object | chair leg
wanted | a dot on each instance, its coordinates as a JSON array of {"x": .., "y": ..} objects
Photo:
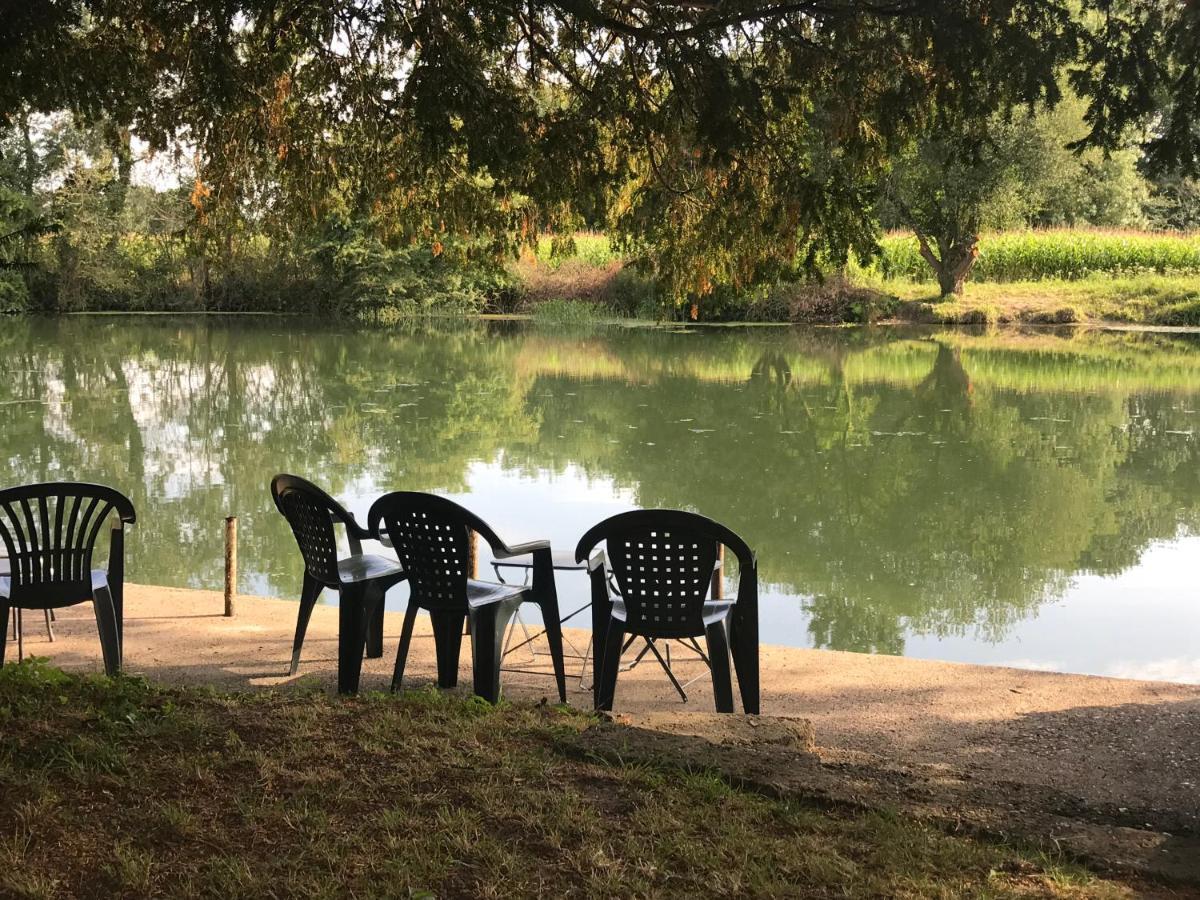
[
  {"x": 49, "y": 626},
  {"x": 106, "y": 624},
  {"x": 606, "y": 674},
  {"x": 665, "y": 662},
  {"x": 447, "y": 639},
  {"x": 309, "y": 594},
  {"x": 718, "y": 654},
  {"x": 550, "y": 618},
  {"x": 488, "y": 624},
  {"x": 3, "y": 631},
  {"x": 20, "y": 629},
  {"x": 410, "y": 618},
  {"x": 599, "y": 631},
  {"x": 351, "y": 637},
  {"x": 744, "y": 644},
  {"x": 375, "y": 631}
]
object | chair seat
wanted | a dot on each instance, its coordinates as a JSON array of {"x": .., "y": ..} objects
[
  {"x": 714, "y": 610},
  {"x": 367, "y": 567},
  {"x": 482, "y": 593},
  {"x": 99, "y": 580}
]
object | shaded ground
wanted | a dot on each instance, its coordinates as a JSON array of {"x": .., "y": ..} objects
[
  {"x": 121, "y": 788},
  {"x": 1106, "y": 767}
]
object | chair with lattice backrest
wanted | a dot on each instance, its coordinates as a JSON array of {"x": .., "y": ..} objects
[
  {"x": 360, "y": 579},
  {"x": 432, "y": 539},
  {"x": 49, "y": 534},
  {"x": 662, "y": 562}
]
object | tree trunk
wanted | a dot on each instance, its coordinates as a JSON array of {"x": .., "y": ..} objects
[
  {"x": 118, "y": 190},
  {"x": 29, "y": 173},
  {"x": 957, "y": 257},
  {"x": 123, "y": 154}
]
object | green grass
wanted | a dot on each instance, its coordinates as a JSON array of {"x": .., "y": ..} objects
[
  {"x": 590, "y": 248},
  {"x": 567, "y": 312},
  {"x": 121, "y": 788},
  {"x": 1142, "y": 300},
  {"x": 1041, "y": 277},
  {"x": 1056, "y": 255}
]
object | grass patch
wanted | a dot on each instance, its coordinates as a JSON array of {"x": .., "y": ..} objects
[
  {"x": 1144, "y": 300},
  {"x": 1040, "y": 277},
  {"x": 567, "y": 312},
  {"x": 588, "y": 247},
  {"x": 193, "y": 793}
]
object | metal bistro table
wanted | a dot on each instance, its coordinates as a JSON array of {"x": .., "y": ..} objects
[
  {"x": 566, "y": 562},
  {"x": 563, "y": 562}
]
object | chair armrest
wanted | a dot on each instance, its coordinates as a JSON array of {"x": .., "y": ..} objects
[
  {"x": 355, "y": 533},
  {"x": 505, "y": 551},
  {"x": 351, "y": 523},
  {"x": 596, "y": 562}
]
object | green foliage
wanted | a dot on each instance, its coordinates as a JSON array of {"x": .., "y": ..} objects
[
  {"x": 1055, "y": 254},
  {"x": 720, "y": 144},
  {"x": 1175, "y": 203},
  {"x": 358, "y": 273},
  {"x": 1008, "y": 171},
  {"x": 1062, "y": 185},
  {"x": 14, "y": 295}
]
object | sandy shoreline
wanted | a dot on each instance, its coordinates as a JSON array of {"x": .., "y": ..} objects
[{"x": 1129, "y": 748}]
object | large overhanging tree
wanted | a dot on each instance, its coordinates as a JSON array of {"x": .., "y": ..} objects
[{"x": 721, "y": 141}]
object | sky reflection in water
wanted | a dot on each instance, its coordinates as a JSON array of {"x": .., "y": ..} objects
[{"x": 1019, "y": 499}]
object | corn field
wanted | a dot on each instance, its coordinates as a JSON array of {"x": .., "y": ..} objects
[{"x": 1055, "y": 254}]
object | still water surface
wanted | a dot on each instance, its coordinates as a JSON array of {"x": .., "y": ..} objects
[{"x": 1019, "y": 499}]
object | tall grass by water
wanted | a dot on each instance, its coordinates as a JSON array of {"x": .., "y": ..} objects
[
  {"x": 1063, "y": 254},
  {"x": 590, "y": 247}
]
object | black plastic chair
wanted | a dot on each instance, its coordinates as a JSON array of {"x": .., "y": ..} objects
[
  {"x": 432, "y": 538},
  {"x": 663, "y": 561},
  {"x": 361, "y": 579},
  {"x": 49, "y": 532}
]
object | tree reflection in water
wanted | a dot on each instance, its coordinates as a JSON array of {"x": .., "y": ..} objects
[{"x": 895, "y": 482}]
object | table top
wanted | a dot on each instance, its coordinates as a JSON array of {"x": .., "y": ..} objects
[{"x": 562, "y": 560}]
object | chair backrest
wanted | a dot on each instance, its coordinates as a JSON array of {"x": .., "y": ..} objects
[
  {"x": 49, "y": 534},
  {"x": 310, "y": 511},
  {"x": 432, "y": 539},
  {"x": 662, "y": 561}
]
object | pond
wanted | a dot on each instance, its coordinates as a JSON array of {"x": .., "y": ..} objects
[{"x": 1027, "y": 499}]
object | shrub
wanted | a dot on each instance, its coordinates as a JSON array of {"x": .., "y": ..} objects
[{"x": 14, "y": 294}]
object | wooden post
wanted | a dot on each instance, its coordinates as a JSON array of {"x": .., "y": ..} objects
[
  {"x": 472, "y": 568},
  {"x": 718, "y": 579},
  {"x": 230, "y": 563}
]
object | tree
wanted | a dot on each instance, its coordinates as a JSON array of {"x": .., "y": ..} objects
[
  {"x": 946, "y": 188},
  {"x": 728, "y": 139},
  {"x": 1175, "y": 202},
  {"x": 1015, "y": 170},
  {"x": 1081, "y": 186}
]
